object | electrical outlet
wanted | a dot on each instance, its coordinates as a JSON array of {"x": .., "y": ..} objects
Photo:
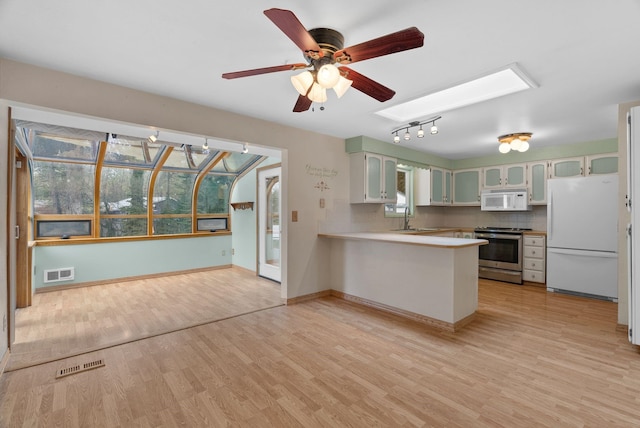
[
  {"x": 224, "y": 252},
  {"x": 233, "y": 251}
]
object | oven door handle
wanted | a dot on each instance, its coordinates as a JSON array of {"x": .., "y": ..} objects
[{"x": 497, "y": 236}]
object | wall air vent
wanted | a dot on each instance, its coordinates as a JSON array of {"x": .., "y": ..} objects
[{"x": 57, "y": 275}]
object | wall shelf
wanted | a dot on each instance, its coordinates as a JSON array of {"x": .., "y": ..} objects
[{"x": 242, "y": 205}]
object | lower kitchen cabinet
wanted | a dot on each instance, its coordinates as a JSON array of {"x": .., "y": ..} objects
[{"x": 534, "y": 258}]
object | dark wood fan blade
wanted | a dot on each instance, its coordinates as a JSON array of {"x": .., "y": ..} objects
[
  {"x": 403, "y": 40},
  {"x": 289, "y": 24},
  {"x": 368, "y": 86},
  {"x": 302, "y": 104},
  {"x": 256, "y": 71}
]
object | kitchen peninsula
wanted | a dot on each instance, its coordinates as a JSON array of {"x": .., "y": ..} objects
[{"x": 430, "y": 279}]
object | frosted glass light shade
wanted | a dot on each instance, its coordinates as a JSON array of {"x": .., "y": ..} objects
[
  {"x": 504, "y": 148},
  {"x": 317, "y": 94},
  {"x": 524, "y": 146},
  {"x": 328, "y": 76},
  {"x": 302, "y": 82},
  {"x": 515, "y": 144},
  {"x": 341, "y": 87}
]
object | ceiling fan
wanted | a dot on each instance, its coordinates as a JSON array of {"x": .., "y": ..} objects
[{"x": 322, "y": 49}]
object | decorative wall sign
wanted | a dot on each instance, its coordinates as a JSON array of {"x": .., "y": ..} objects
[{"x": 322, "y": 174}]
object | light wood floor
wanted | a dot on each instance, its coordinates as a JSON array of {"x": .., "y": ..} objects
[
  {"x": 69, "y": 322},
  {"x": 529, "y": 359}
]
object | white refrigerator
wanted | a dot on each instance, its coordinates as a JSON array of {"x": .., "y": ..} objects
[{"x": 582, "y": 224}]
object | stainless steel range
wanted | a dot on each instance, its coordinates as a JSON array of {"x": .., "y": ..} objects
[{"x": 501, "y": 258}]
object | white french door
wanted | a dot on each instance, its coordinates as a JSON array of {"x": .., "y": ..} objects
[{"x": 269, "y": 230}]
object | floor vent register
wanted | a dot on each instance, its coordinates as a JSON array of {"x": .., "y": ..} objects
[{"x": 79, "y": 368}]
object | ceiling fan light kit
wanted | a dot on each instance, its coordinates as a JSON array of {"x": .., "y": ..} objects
[{"x": 323, "y": 49}]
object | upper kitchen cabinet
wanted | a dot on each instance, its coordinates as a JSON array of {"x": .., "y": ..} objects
[
  {"x": 602, "y": 164},
  {"x": 537, "y": 182},
  {"x": 595, "y": 164},
  {"x": 466, "y": 187},
  {"x": 504, "y": 176},
  {"x": 567, "y": 167},
  {"x": 432, "y": 186},
  {"x": 373, "y": 178}
]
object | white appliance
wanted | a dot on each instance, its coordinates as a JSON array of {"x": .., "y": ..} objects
[
  {"x": 504, "y": 200},
  {"x": 633, "y": 229},
  {"x": 582, "y": 241}
]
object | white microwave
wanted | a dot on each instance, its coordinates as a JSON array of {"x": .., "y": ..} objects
[{"x": 504, "y": 200}]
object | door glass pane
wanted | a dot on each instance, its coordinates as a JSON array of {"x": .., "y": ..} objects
[
  {"x": 492, "y": 177},
  {"x": 436, "y": 185},
  {"x": 537, "y": 185},
  {"x": 374, "y": 171},
  {"x": 567, "y": 169},
  {"x": 272, "y": 241},
  {"x": 515, "y": 175},
  {"x": 608, "y": 165}
]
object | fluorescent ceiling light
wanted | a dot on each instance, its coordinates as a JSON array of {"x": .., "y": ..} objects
[{"x": 505, "y": 81}]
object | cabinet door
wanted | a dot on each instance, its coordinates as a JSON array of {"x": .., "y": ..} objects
[
  {"x": 602, "y": 164},
  {"x": 447, "y": 186},
  {"x": 537, "y": 182},
  {"x": 515, "y": 175},
  {"x": 570, "y": 167},
  {"x": 389, "y": 192},
  {"x": 492, "y": 177},
  {"x": 373, "y": 176},
  {"x": 466, "y": 187},
  {"x": 437, "y": 186}
]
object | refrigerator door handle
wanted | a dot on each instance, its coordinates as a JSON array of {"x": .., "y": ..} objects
[
  {"x": 584, "y": 253},
  {"x": 630, "y": 286},
  {"x": 550, "y": 214}
]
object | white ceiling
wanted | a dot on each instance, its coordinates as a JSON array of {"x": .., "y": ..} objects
[{"x": 582, "y": 54}]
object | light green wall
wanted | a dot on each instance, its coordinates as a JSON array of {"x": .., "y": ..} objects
[
  {"x": 112, "y": 260},
  {"x": 412, "y": 157},
  {"x": 244, "y": 222}
]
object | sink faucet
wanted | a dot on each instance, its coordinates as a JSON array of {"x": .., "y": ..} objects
[{"x": 406, "y": 218}]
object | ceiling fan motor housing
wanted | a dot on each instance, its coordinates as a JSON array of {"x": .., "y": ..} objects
[{"x": 330, "y": 41}]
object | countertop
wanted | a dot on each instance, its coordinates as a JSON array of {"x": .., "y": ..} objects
[{"x": 407, "y": 238}]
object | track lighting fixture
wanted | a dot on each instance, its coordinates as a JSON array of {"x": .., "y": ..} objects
[
  {"x": 518, "y": 141},
  {"x": 420, "y": 134},
  {"x": 205, "y": 146},
  {"x": 245, "y": 148},
  {"x": 153, "y": 138}
]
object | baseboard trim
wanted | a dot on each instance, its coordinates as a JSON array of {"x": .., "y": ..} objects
[
  {"x": 423, "y": 319},
  {"x": 126, "y": 279},
  {"x": 623, "y": 328},
  {"x": 4, "y": 361},
  {"x": 307, "y": 297}
]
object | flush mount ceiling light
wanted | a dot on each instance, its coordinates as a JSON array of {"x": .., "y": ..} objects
[
  {"x": 518, "y": 141},
  {"x": 507, "y": 80},
  {"x": 420, "y": 134}
]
